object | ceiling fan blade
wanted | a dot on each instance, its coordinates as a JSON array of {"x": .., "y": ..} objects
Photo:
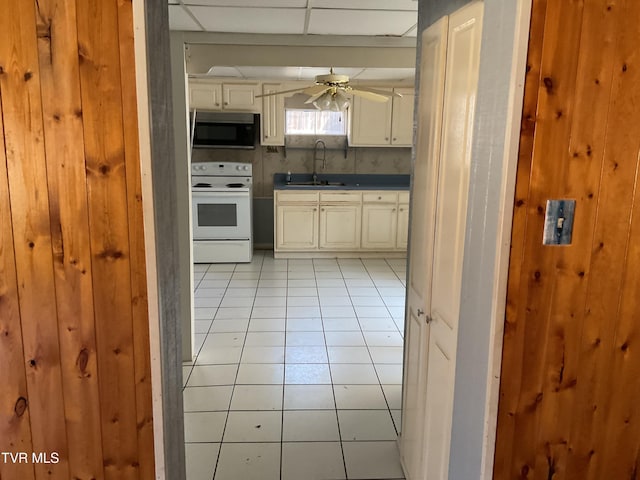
[
  {"x": 386, "y": 93},
  {"x": 280, "y": 92},
  {"x": 314, "y": 89},
  {"x": 375, "y": 97},
  {"x": 317, "y": 95}
]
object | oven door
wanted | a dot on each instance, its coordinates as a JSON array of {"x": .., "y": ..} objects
[{"x": 221, "y": 215}]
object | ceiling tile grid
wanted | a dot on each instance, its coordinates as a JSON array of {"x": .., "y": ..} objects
[
  {"x": 309, "y": 73},
  {"x": 314, "y": 17}
]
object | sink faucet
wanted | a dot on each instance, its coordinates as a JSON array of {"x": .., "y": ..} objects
[{"x": 315, "y": 157}]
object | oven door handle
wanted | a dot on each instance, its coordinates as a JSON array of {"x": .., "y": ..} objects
[{"x": 208, "y": 193}]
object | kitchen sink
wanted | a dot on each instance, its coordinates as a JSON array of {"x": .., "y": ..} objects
[{"x": 319, "y": 183}]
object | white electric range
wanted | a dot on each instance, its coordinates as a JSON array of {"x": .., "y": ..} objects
[{"x": 222, "y": 218}]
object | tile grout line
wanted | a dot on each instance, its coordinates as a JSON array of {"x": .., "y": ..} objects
[
  {"x": 333, "y": 391},
  {"x": 195, "y": 359},
  {"x": 224, "y": 428},
  {"x": 393, "y": 421},
  {"x": 284, "y": 363},
  {"x": 375, "y": 370}
]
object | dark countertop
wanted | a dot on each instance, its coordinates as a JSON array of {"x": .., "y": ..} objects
[{"x": 341, "y": 181}]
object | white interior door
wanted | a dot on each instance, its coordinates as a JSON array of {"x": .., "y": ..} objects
[
  {"x": 463, "y": 56},
  {"x": 423, "y": 202},
  {"x": 440, "y": 254}
]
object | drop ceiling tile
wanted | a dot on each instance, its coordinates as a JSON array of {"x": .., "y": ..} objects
[
  {"x": 250, "y": 20},
  {"x": 269, "y": 72},
  {"x": 312, "y": 72},
  {"x": 360, "y": 22},
  {"x": 386, "y": 74},
  {"x": 411, "y": 5},
  {"x": 249, "y": 3},
  {"x": 309, "y": 73},
  {"x": 179, "y": 19}
]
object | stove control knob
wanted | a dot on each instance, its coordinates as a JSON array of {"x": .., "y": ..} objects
[
  {"x": 238, "y": 167},
  {"x": 246, "y": 167}
]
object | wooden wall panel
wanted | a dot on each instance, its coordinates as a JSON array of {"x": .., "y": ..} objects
[
  {"x": 74, "y": 326},
  {"x": 58, "y": 52},
  {"x": 15, "y": 433},
  {"x": 98, "y": 39},
  {"x": 568, "y": 401},
  {"x": 27, "y": 174},
  {"x": 139, "y": 301},
  {"x": 527, "y": 136}
]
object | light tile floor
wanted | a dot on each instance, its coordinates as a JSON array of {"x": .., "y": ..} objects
[{"x": 299, "y": 370}]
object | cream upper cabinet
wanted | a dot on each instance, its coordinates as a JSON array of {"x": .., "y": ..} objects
[
  {"x": 383, "y": 123},
  {"x": 204, "y": 95},
  {"x": 402, "y": 118},
  {"x": 370, "y": 122},
  {"x": 272, "y": 119},
  {"x": 240, "y": 97},
  {"x": 234, "y": 97}
]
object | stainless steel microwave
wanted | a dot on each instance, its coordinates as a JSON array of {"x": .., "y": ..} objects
[{"x": 224, "y": 130}]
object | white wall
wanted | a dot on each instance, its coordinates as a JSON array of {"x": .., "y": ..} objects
[
  {"x": 207, "y": 49},
  {"x": 183, "y": 191}
]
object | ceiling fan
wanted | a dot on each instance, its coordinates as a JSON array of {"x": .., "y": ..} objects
[{"x": 330, "y": 92}]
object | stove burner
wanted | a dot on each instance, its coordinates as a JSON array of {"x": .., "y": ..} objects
[
  {"x": 202, "y": 185},
  {"x": 235, "y": 185}
]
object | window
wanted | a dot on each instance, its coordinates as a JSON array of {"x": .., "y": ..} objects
[{"x": 315, "y": 122}]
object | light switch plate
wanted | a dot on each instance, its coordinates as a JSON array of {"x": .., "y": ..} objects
[{"x": 558, "y": 222}]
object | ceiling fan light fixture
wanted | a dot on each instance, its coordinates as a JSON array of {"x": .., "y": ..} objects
[
  {"x": 332, "y": 101},
  {"x": 323, "y": 102},
  {"x": 341, "y": 100}
]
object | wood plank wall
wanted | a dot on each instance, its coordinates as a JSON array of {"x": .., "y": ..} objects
[
  {"x": 74, "y": 342},
  {"x": 570, "y": 389}
]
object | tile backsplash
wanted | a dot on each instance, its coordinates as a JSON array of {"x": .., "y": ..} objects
[{"x": 297, "y": 157}]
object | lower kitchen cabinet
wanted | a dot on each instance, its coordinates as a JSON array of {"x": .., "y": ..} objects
[
  {"x": 402, "y": 236},
  {"x": 296, "y": 227},
  {"x": 379, "y": 226},
  {"x": 322, "y": 223},
  {"x": 340, "y": 227}
]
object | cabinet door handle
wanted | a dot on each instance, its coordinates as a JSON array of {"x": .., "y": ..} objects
[
  {"x": 393, "y": 210},
  {"x": 315, "y": 209},
  {"x": 226, "y": 103},
  {"x": 386, "y": 138},
  {"x": 379, "y": 198},
  {"x": 394, "y": 139},
  {"x": 322, "y": 209}
]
